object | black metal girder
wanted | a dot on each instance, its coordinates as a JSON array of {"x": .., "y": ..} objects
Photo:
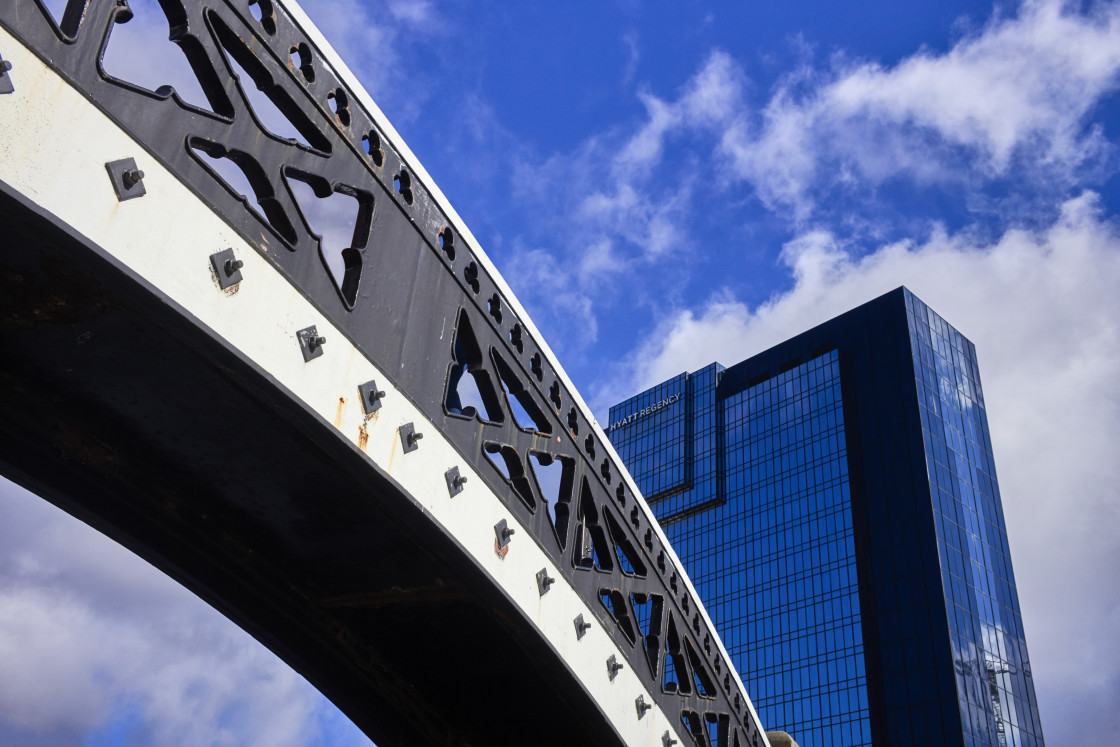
[{"x": 409, "y": 271}]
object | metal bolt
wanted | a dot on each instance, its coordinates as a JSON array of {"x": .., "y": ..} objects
[
  {"x": 455, "y": 481},
  {"x": 667, "y": 741},
  {"x": 5, "y": 66},
  {"x": 132, "y": 177},
  {"x": 124, "y": 15},
  {"x": 315, "y": 342},
  {"x": 410, "y": 439},
  {"x": 370, "y": 396},
  {"x": 233, "y": 265},
  {"x": 544, "y": 581},
  {"x": 581, "y": 626},
  {"x": 642, "y": 706},
  {"x": 613, "y": 667},
  {"x": 502, "y": 533}
]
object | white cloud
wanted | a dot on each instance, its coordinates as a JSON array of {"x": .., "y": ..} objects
[
  {"x": 712, "y": 98},
  {"x": 1019, "y": 89},
  {"x": 89, "y": 634},
  {"x": 621, "y": 218},
  {"x": 413, "y": 12},
  {"x": 1042, "y": 309}
]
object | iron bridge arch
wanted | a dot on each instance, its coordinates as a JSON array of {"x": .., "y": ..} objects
[{"x": 130, "y": 409}]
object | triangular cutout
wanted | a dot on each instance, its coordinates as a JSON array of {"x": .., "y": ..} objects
[
  {"x": 592, "y": 549},
  {"x": 470, "y": 389},
  {"x": 526, "y": 413},
  {"x": 340, "y": 218},
  {"x": 716, "y": 728},
  {"x": 615, "y": 603},
  {"x": 705, "y": 686},
  {"x": 56, "y": 9},
  {"x": 67, "y": 15},
  {"x": 270, "y": 104},
  {"x": 244, "y": 178},
  {"x": 648, "y": 611},
  {"x": 629, "y": 559},
  {"x": 677, "y": 678},
  {"x": 694, "y": 727},
  {"x": 507, "y": 461},
  {"x": 143, "y": 54},
  {"x": 553, "y": 475}
]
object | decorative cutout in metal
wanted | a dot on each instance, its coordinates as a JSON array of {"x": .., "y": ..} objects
[{"x": 408, "y": 280}]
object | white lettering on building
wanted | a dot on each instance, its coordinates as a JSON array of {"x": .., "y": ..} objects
[{"x": 646, "y": 411}]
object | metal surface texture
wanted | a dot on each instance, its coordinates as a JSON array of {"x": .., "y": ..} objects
[{"x": 407, "y": 271}]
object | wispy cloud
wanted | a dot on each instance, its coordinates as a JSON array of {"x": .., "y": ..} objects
[
  {"x": 618, "y": 206},
  {"x": 369, "y": 35},
  {"x": 1010, "y": 98}
]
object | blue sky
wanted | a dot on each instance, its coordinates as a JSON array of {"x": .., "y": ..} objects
[{"x": 667, "y": 184}]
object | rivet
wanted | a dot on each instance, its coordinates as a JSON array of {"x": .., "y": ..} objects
[
  {"x": 127, "y": 179},
  {"x": 455, "y": 481},
  {"x": 503, "y": 532},
  {"x": 370, "y": 396},
  {"x": 310, "y": 342},
  {"x": 409, "y": 437},
  {"x": 227, "y": 268},
  {"x": 6, "y": 85},
  {"x": 132, "y": 177},
  {"x": 544, "y": 582}
]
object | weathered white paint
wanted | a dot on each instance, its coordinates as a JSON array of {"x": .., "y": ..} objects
[
  {"x": 332, "y": 58},
  {"x": 167, "y": 237}
]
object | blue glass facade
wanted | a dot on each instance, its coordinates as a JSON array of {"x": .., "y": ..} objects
[
  {"x": 835, "y": 503},
  {"x": 994, "y": 688}
]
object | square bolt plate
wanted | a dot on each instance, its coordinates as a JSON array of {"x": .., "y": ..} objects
[
  {"x": 501, "y": 531},
  {"x": 308, "y": 343},
  {"x": 6, "y": 85},
  {"x": 409, "y": 438},
  {"x": 126, "y": 189},
  {"x": 454, "y": 481},
  {"x": 544, "y": 583},
  {"x": 226, "y": 268},
  {"x": 370, "y": 396}
]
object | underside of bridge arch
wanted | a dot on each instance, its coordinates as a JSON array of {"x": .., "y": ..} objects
[{"x": 181, "y": 449}]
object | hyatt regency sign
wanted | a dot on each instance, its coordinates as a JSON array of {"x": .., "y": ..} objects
[{"x": 646, "y": 411}]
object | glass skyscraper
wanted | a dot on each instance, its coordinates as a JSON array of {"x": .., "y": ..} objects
[{"x": 835, "y": 503}]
